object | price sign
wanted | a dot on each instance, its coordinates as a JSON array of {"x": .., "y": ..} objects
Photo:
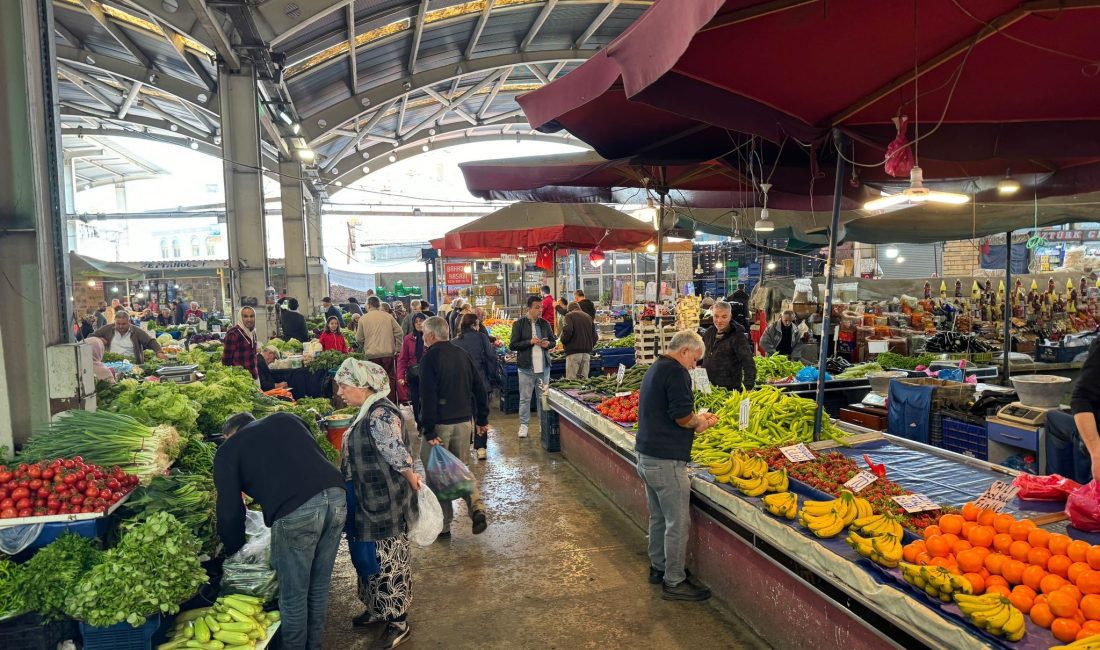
[
  {"x": 916, "y": 503},
  {"x": 860, "y": 481},
  {"x": 743, "y": 414},
  {"x": 621, "y": 375},
  {"x": 623, "y": 393},
  {"x": 700, "y": 381},
  {"x": 997, "y": 496},
  {"x": 799, "y": 453}
]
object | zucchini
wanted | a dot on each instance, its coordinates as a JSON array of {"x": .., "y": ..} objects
[
  {"x": 237, "y": 626},
  {"x": 202, "y": 632},
  {"x": 236, "y": 638}
]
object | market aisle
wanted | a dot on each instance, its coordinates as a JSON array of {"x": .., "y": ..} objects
[{"x": 559, "y": 567}]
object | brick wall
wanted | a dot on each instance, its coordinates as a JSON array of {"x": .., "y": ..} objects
[{"x": 961, "y": 258}]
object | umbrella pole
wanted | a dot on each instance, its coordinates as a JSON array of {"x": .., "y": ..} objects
[
  {"x": 826, "y": 326},
  {"x": 556, "y": 269},
  {"x": 1008, "y": 308}
]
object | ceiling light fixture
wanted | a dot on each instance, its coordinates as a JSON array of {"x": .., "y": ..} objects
[
  {"x": 393, "y": 158},
  {"x": 306, "y": 155},
  {"x": 900, "y": 259},
  {"x": 891, "y": 252},
  {"x": 91, "y": 283},
  {"x": 651, "y": 248},
  {"x": 764, "y": 224},
  {"x": 1008, "y": 186},
  {"x": 718, "y": 265},
  {"x": 916, "y": 193},
  {"x": 771, "y": 266}
]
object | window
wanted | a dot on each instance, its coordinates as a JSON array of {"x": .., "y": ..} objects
[
  {"x": 164, "y": 249},
  {"x": 210, "y": 246},
  {"x": 195, "y": 251},
  {"x": 176, "y": 248}
]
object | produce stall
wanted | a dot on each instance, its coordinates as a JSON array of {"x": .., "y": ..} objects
[{"x": 748, "y": 547}]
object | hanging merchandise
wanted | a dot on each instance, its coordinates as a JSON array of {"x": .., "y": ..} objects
[
  {"x": 899, "y": 155},
  {"x": 545, "y": 257}
]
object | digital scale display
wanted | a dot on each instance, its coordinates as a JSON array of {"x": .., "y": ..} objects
[{"x": 1031, "y": 415}]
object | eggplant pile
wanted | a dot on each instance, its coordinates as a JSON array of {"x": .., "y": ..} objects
[
  {"x": 954, "y": 342},
  {"x": 836, "y": 365}
]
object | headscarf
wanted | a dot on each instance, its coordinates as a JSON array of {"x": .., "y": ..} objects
[
  {"x": 272, "y": 349},
  {"x": 364, "y": 374},
  {"x": 419, "y": 335},
  {"x": 249, "y": 334},
  {"x": 99, "y": 371}
]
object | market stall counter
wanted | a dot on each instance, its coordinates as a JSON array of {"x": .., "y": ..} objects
[{"x": 814, "y": 588}]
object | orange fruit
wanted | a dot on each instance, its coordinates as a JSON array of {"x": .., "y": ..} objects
[
  {"x": 1038, "y": 537},
  {"x": 1003, "y": 522},
  {"x": 1078, "y": 550},
  {"x": 930, "y": 531},
  {"x": 970, "y": 511},
  {"x": 960, "y": 546},
  {"x": 1080, "y": 618},
  {"x": 1075, "y": 571},
  {"x": 998, "y": 589},
  {"x": 1013, "y": 571},
  {"x": 994, "y": 562},
  {"x": 952, "y": 523},
  {"x": 1092, "y": 556},
  {"x": 1090, "y": 628},
  {"x": 1052, "y": 583},
  {"x": 986, "y": 517},
  {"x": 1062, "y": 604},
  {"x": 1058, "y": 543},
  {"x": 1039, "y": 556},
  {"x": 1059, "y": 565},
  {"x": 1041, "y": 599},
  {"x": 923, "y": 558},
  {"x": 1019, "y": 531},
  {"x": 1072, "y": 590},
  {"x": 979, "y": 535},
  {"x": 995, "y": 580},
  {"x": 950, "y": 538},
  {"x": 937, "y": 546},
  {"x": 966, "y": 528},
  {"x": 1021, "y": 601},
  {"x": 1089, "y": 582},
  {"x": 1041, "y": 615},
  {"x": 1001, "y": 542},
  {"x": 1065, "y": 629},
  {"x": 1032, "y": 576},
  {"x": 977, "y": 582},
  {"x": 910, "y": 551},
  {"x": 969, "y": 560},
  {"x": 1019, "y": 550},
  {"x": 1093, "y": 608},
  {"x": 1029, "y": 523},
  {"x": 981, "y": 550}
]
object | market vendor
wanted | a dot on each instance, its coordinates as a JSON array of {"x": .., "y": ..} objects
[
  {"x": 782, "y": 337},
  {"x": 268, "y": 356},
  {"x": 667, "y": 424},
  {"x": 729, "y": 360},
  {"x": 240, "y": 342},
  {"x": 125, "y": 339},
  {"x": 1072, "y": 441}
]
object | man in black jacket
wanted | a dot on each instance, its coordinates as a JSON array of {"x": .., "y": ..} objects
[
  {"x": 453, "y": 399},
  {"x": 578, "y": 335},
  {"x": 294, "y": 323},
  {"x": 277, "y": 462},
  {"x": 586, "y": 305},
  {"x": 729, "y": 361},
  {"x": 331, "y": 310},
  {"x": 532, "y": 338},
  {"x": 1072, "y": 442}
]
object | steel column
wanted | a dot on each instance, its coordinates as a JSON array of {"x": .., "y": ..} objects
[
  {"x": 841, "y": 142},
  {"x": 315, "y": 253},
  {"x": 33, "y": 259},
  {"x": 244, "y": 199},
  {"x": 294, "y": 233},
  {"x": 1005, "y": 370}
]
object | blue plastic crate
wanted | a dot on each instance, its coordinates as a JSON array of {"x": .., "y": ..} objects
[
  {"x": 965, "y": 438},
  {"x": 509, "y": 402},
  {"x": 550, "y": 430},
  {"x": 90, "y": 528},
  {"x": 120, "y": 636}
]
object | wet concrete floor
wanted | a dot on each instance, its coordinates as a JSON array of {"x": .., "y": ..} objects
[{"x": 559, "y": 567}]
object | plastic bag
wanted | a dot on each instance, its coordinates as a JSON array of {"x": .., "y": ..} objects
[
  {"x": 447, "y": 476},
  {"x": 429, "y": 522},
  {"x": 14, "y": 539},
  {"x": 249, "y": 570},
  {"x": 1054, "y": 487},
  {"x": 1083, "y": 507}
]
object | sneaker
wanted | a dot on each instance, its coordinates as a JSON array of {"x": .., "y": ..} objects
[
  {"x": 394, "y": 635},
  {"x": 482, "y": 454},
  {"x": 684, "y": 591},
  {"x": 523, "y": 431},
  {"x": 480, "y": 524},
  {"x": 444, "y": 534},
  {"x": 365, "y": 620},
  {"x": 656, "y": 576}
]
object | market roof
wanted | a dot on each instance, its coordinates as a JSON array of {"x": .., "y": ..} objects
[
  {"x": 366, "y": 77},
  {"x": 98, "y": 160}
]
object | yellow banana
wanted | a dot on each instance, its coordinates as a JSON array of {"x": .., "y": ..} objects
[
  {"x": 721, "y": 468},
  {"x": 1014, "y": 629},
  {"x": 863, "y": 507},
  {"x": 828, "y": 527},
  {"x": 863, "y": 545},
  {"x": 752, "y": 487},
  {"x": 867, "y": 524},
  {"x": 1088, "y": 643},
  {"x": 997, "y": 621}
]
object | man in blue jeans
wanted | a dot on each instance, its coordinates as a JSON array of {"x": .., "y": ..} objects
[
  {"x": 1072, "y": 443},
  {"x": 667, "y": 424},
  {"x": 276, "y": 462},
  {"x": 532, "y": 338}
]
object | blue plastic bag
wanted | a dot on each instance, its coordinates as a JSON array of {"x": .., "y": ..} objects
[{"x": 448, "y": 477}]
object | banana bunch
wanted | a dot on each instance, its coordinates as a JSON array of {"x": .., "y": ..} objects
[
  {"x": 1087, "y": 643},
  {"x": 995, "y": 614},
  {"x": 751, "y": 487},
  {"x": 876, "y": 525},
  {"x": 778, "y": 481},
  {"x": 817, "y": 515},
  {"x": 782, "y": 504},
  {"x": 935, "y": 581},
  {"x": 885, "y": 550},
  {"x": 738, "y": 465}
]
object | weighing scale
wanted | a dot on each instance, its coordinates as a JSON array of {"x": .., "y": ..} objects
[
  {"x": 874, "y": 399},
  {"x": 1032, "y": 416},
  {"x": 178, "y": 374}
]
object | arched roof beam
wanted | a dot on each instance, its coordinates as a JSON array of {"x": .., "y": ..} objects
[{"x": 186, "y": 92}]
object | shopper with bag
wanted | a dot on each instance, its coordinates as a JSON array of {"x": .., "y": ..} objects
[
  {"x": 306, "y": 514},
  {"x": 408, "y": 365},
  {"x": 453, "y": 399},
  {"x": 382, "y": 505}
]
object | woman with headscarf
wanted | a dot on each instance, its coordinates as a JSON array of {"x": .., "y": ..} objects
[
  {"x": 408, "y": 365},
  {"x": 381, "y": 490},
  {"x": 332, "y": 338},
  {"x": 240, "y": 342},
  {"x": 100, "y": 371}
]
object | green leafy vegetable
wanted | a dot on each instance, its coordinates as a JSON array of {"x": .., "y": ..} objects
[
  {"x": 48, "y": 578},
  {"x": 105, "y": 439},
  {"x": 327, "y": 360},
  {"x": 894, "y": 360},
  {"x": 190, "y": 498},
  {"x": 12, "y": 600},
  {"x": 109, "y": 357}
]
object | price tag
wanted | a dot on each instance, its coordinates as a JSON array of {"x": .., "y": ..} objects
[
  {"x": 621, "y": 375},
  {"x": 997, "y": 496},
  {"x": 799, "y": 453},
  {"x": 217, "y": 328},
  {"x": 743, "y": 414},
  {"x": 700, "y": 381},
  {"x": 623, "y": 393},
  {"x": 860, "y": 481},
  {"x": 916, "y": 503}
]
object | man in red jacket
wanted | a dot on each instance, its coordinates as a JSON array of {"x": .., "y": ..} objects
[{"x": 548, "y": 312}]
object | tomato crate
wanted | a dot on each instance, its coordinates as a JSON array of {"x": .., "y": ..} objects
[
  {"x": 120, "y": 636},
  {"x": 29, "y": 632}
]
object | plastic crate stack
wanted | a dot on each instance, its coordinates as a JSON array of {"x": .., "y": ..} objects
[
  {"x": 964, "y": 433},
  {"x": 649, "y": 340}
]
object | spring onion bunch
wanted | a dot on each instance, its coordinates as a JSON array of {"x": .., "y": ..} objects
[{"x": 106, "y": 439}]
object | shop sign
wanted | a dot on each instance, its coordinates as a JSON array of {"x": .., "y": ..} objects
[
  {"x": 183, "y": 265},
  {"x": 1070, "y": 235},
  {"x": 456, "y": 274},
  {"x": 997, "y": 496}
]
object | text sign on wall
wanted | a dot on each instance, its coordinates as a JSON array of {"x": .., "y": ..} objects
[{"x": 456, "y": 274}]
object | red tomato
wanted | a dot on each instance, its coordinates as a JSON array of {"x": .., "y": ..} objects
[
  {"x": 26, "y": 512},
  {"x": 48, "y": 474},
  {"x": 8, "y": 513}
]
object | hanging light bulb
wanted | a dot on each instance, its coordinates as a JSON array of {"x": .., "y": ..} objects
[
  {"x": 114, "y": 289},
  {"x": 467, "y": 269},
  {"x": 900, "y": 259},
  {"x": 916, "y": 193},
  {"x": 764, "y": 224},
  {"x": 698, "y": 269},
  {"x": 1008, "y": 186},
  {"x": 735, "y": 238},
  {"x": 651, "y": 248},
  {"x": 500, "y": 276},
  {"x": 891, "y": 252},
  {"x": 596, "y": 257},
  {"x": 91, "y": 283},
  {"x": 771, "y": 266},
  {"x": 718, "y": 265}
]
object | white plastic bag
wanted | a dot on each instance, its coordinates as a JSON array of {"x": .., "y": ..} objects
[{"x": 430, "y": 521}]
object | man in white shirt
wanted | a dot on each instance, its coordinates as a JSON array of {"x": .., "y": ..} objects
[
  {"x": 125, "y": 339},
  {"x": 532, "y": 338}
]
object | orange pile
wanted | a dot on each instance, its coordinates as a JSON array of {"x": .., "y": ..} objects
[{"x": 1051, "y": 577}]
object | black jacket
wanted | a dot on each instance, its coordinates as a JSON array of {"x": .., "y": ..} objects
[
  {"x": 588, "y": 307},
  {"x": 334, "y": 311},
  {"x": 521, "y": 341},
  {"x": 448, "y": 379},
  {"x": 267, "y": 380},
  {"x": 728, "y": 359},
  {"x": 294, "y": 326},
  {"x": 578, "y": 333},
  {"x": 481, "y": 352},
  {"x": 1086, "y": 394}
]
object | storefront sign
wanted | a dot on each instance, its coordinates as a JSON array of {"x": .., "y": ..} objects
[
  {"x": 1070, "y": 235},
  {"x": 997, "y": 496},
  {"x": 183, "y": 265},
  {"x": 799, "y": 453},
  {"x": 456, "y": 274}
]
